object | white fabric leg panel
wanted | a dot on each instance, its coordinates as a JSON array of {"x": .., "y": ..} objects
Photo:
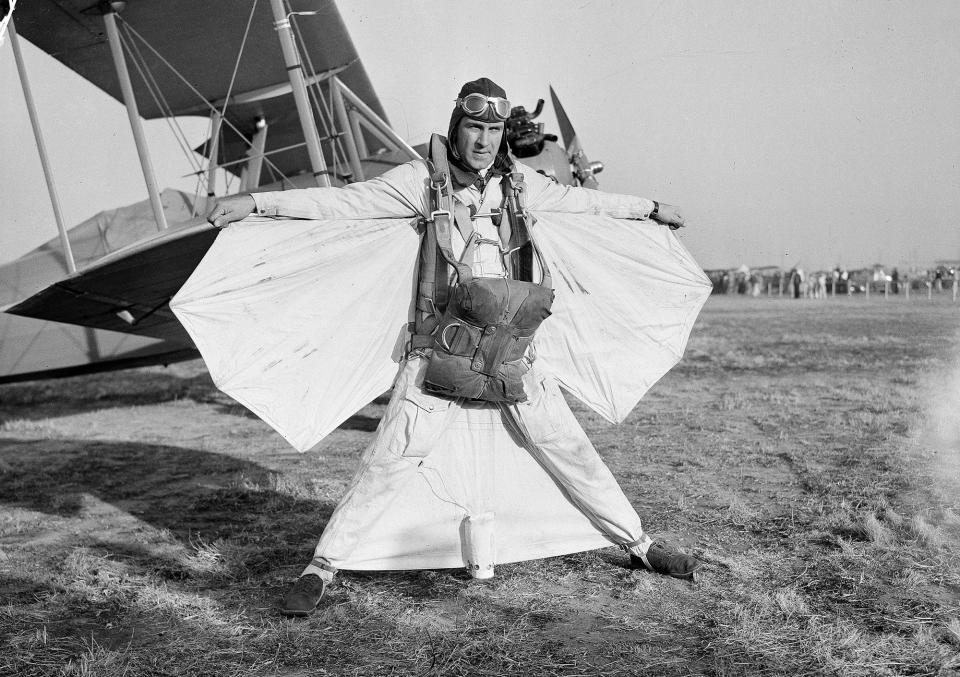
[
  {"x": 405, "y": 510},
  {"x": 563, "y": 449}
]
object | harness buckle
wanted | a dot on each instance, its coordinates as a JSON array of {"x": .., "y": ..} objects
[
  {"x": 494, "y": 215},
  {"x": 438, "y": 212}
]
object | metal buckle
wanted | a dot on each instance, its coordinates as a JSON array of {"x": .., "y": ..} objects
[
  {"x": 440, "y": 212},
  {"x": 488, "y": 215},
  {"x": 442, "y": 338}
]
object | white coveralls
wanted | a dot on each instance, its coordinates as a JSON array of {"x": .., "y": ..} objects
[{"x": 415, "y": 421}]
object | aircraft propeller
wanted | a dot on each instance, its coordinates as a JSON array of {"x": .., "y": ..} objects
[{"x": 583, "y": 169}]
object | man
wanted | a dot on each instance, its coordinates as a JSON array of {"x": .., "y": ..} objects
[{"x": 479, "y": 168}]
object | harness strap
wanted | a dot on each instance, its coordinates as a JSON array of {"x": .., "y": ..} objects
[
  {"x": 433, "y": 283},
  {"x": 463, "y": 218},
  {"x": 522, "y": 246},
  {"x": 444, "y": 211}
]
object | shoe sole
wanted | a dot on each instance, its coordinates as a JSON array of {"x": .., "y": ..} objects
[
  {"x": 639, "y": 565},
  {"x": 680, "y": 577}
]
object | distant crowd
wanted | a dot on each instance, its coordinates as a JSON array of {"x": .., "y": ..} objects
[{"x": 797, "y": 283}]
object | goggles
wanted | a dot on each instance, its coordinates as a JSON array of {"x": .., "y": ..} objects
[{"x": 474, "y": 105}]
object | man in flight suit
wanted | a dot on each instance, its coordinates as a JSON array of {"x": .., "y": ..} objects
[{"x": 478, "y": 160}]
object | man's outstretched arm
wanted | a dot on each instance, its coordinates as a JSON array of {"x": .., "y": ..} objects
[
  {"x": 545, "y": 195},
  {"x": 399, "y": 193}
]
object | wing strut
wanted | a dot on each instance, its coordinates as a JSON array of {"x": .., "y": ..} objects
[
  {"x": 41, "y": 149},
  {"x": 216, "y": 122},
  {"x": 250, "y": 176},
  {"x": 123, "y": 76},
  {"x": 347, "y": 129},
  {"x": 374, "y": 122},
  {"x": 295, "y": 73}
]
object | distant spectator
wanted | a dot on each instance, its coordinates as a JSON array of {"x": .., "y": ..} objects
[
  {"x": 819, "y": 285},
  {"x": 895, "y": 281},
  {"x": 797, "y": 280}
]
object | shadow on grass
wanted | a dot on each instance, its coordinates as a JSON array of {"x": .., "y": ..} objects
[
  {"x": 189, "y": 492},
  {"x": 36, "y": 400}
]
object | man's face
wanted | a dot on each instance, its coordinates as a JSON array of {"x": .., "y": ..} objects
[{"x": 478, "y": 142}]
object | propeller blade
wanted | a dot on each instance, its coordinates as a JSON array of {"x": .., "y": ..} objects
[
  {"x": 583, "y": 169},
  {"x": 570, "y": 141}
]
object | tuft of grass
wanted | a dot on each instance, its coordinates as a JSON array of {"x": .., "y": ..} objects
[
  {"x": 739, "y": 512},
  {"x": 206, "y": 558},
  {"x": 876, "y": 532},
  {"x": 953, "y": 630},
  {"x": 927, "y": 534},
  {"x": 791, "y": 602}
]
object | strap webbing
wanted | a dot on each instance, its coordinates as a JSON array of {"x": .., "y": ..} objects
[
  {"x": 444, "y": 208},
  {"x": 463, "y": 217},
  {"x": 521, "y": 246}
]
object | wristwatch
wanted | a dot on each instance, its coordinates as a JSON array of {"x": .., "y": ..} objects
[{"x": 655, "y": 210}]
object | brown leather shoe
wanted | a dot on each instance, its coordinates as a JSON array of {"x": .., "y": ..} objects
[
  {"x": 665, "y": 560},
  {"x": 304, "y": 596}
]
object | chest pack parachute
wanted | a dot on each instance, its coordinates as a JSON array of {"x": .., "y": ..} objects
[{"x": 479, "y": 328}]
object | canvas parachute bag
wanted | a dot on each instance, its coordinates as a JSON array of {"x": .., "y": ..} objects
[{"x": 480, "y": 327}]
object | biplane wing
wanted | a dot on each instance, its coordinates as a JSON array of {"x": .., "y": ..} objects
[
  {"x": 31, "y": 347},
  {"x": 127, "y": 291},
  {"x": 184, "y": 59}
]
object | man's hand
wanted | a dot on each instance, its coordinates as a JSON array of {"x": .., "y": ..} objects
[
  {"x": 668, "y": 215},
  {"x": 230, "y": 209}
]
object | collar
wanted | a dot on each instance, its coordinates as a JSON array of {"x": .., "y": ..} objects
[{"x": 463, "y": 176}]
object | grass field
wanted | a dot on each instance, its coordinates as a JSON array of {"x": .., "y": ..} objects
[{"x": 807, "y": 451}]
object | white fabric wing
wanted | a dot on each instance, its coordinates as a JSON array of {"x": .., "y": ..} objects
[
  {"x": 303, "y": 322},
  {"x": 627, "y": 295}
]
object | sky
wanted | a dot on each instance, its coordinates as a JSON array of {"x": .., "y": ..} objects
[{"x": 812, "y": 134}]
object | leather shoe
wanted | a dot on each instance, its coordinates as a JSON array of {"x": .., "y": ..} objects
[
  {"x": 665, "y": 560},
  {"x": 304, "y": 596}
]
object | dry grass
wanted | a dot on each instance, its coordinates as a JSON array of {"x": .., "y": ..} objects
[{"x": 148, "y": 526}]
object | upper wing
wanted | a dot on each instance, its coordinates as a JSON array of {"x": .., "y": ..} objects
[
  {"x": 627, "y": 295},
  {"x": 184, "y": 41}
]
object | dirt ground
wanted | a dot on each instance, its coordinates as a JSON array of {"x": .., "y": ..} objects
[{"x": 807, "y": 451}]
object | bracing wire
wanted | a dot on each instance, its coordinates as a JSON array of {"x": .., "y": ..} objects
[
  {"x": 236, "y": 63},
  {"x": 157, "y": 94},
  {"x": 202, "y": 98},
  {"x": 212, "y": 161}
]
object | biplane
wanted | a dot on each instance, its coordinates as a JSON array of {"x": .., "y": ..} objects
[{"x": 289, "y": 105}]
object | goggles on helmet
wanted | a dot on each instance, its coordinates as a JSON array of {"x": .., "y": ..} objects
[{"x": 475, "y": 104}]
